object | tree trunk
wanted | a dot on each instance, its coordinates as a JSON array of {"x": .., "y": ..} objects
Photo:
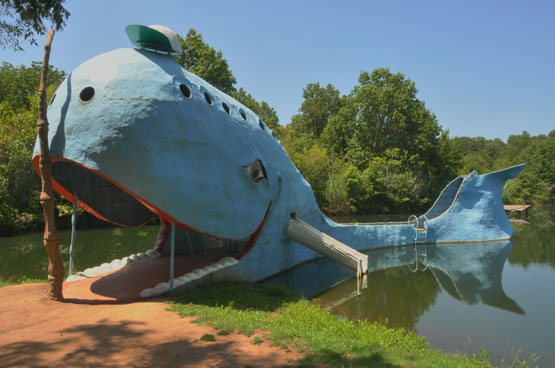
[{"x": 51, "y": 240}]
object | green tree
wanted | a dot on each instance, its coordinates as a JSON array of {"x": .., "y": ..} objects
[
  {"x": 535, "y": 185},
  {"x": 202, "y": 59},
  {"x": 310, "y": 158},
  {"x": 383, "y": 112},
  {"x": 318, "y": 106},
  {"x": 18, "y": 85},
  {"x": 25, "y": 18},
  {"x": 19, "y": 185}
]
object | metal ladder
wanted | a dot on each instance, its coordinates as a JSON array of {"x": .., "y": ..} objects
[{"x": 420, "y": 236}]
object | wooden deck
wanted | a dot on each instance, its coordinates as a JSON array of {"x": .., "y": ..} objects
[{"x": 516, "y": 207}]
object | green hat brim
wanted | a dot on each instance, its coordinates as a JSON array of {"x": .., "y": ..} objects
[{"x": 149, "y": 39}]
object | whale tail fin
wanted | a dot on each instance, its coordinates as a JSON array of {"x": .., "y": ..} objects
[
  {"x": 449, "y": 195},
  {"x": 505, "y": 174}
]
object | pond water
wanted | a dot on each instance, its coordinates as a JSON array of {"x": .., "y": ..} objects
[
  {"x": 499, "y": 296},
  {"x": 23, "y": 257}
]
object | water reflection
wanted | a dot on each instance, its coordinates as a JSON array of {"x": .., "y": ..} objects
[
  {"x": 470, "y": 273},
  {"x": 533, "y": 243}
]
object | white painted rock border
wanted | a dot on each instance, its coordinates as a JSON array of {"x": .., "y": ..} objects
[
  {"x": 116, "y": 264},
  {"x": 164, "y": 287}
]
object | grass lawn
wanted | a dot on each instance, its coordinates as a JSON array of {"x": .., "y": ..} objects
[{"x": 274, "y": 314}]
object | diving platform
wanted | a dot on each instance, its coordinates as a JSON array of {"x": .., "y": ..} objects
[
  {"x": 304, "y": 234},
  {"x": 519, "y": 208}
]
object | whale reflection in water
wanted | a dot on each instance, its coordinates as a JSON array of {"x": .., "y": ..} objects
[{"x": 408, "y": 279}]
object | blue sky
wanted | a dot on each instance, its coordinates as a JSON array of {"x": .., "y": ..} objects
[{"x": 485, "y": 68}]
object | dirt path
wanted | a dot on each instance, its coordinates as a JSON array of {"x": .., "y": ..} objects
[{"x": 35, "y": 332}]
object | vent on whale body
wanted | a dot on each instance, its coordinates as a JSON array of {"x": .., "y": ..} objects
[{"x": 100, "y": 195}]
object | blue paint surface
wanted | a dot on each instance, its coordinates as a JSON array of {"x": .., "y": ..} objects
[{"x": 186, "y": 159}]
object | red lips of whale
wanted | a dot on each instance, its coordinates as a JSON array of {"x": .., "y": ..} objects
[{"x": 70, "y": 197}]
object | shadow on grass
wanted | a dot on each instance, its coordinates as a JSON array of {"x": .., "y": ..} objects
[
  {"x": 239, "y": 295},
  {"x": 334, "y": 359}
]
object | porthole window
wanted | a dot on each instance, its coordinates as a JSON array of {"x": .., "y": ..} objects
[
  {"x": 185, "y": 90},
  {"x": 52, "y": 100},
  {"x": 208, "y": 98},
  {"x": 86, "y": 94},
  {"x": 226, "y": 108},
  {"x": 261, "y": 124},
  {"x": 243, "y": 115}
]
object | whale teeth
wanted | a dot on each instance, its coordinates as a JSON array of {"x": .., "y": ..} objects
[
  {"x": 199, "y": 273},
  {"x": 153, "y": 254},
  {"x": 160, "y": 288},
  {"x": 116, "y": 264}
]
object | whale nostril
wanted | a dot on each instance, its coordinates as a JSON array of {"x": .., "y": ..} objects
[{"x": 86, "y": 94}]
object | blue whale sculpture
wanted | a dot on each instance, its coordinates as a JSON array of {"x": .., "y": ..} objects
[{"x": 134, "y": 135}]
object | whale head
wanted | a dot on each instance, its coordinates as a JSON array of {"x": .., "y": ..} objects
[{"x": 133, "y": 134}]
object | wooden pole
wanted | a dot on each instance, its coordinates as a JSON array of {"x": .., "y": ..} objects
[{"x": 51, "y": 241}]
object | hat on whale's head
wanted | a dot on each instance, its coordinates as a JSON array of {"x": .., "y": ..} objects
[{"x": 154, "y": 38}]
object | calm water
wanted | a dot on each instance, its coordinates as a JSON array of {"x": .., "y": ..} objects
[
  {"x": 499, "y": 296},
  {"x": 24, "y": 257},
  {"x": 496, "y": 295}
]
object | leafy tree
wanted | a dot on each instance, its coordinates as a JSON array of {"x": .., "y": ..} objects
[
  {"x": 336, "y": 189},
  {"x": 19, "y": 185},
  {"x": 209, "y": 64},
  {"x": 382, "y": 126},
  {"x": 310, "y": 157},
  {"x": 24, "y": 18},
  {"x": 18, "y": 85},
  {"x": 318, "y": 106},
  {"x": 383, "y": 112},
  {"x": 536, "y": 184}
]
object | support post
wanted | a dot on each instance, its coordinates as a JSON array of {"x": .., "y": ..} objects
[
  {"x": 172, "y": 256},
  {"x": 51, "y": 240},
  {"x": 73, "y": 235}
]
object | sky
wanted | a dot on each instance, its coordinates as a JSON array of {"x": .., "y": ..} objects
[{"x": 484, "y": 68}]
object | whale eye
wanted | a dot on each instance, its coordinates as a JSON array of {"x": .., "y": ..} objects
[
  {"x": 256, "y": 171},
  {"x": 86, "y": 94}
]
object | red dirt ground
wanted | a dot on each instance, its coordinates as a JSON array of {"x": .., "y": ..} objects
[
  {"x": 125, "y": 285},
  {"x": 36, "y": 332}
]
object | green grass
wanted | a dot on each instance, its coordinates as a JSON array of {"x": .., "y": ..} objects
[
  {"x": 291, "y": 322},
  {"x": 22, "y": 280},
  {"x": 207, "y": 337}
]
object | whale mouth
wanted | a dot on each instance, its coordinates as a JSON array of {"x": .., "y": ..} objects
[{"x": 111, "y": 202}]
